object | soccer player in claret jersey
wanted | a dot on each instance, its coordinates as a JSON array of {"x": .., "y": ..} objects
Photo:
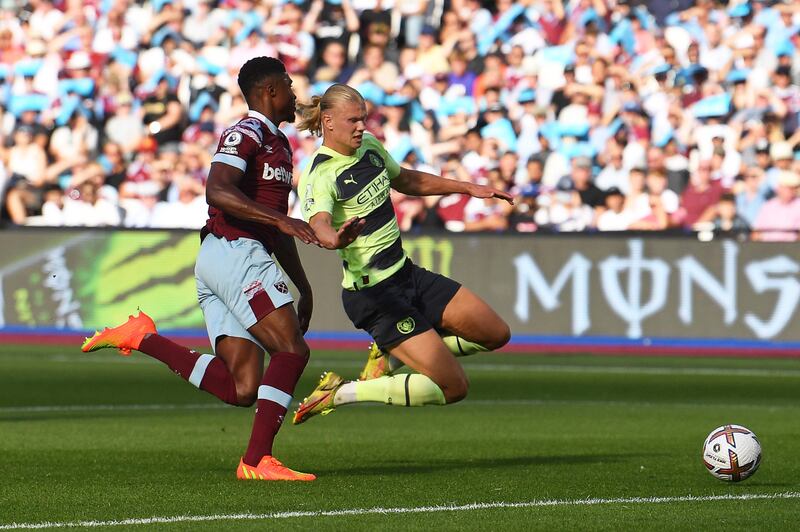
[
  {"x": 244, "y": 297},
  {"x": 401, "y": 305}
]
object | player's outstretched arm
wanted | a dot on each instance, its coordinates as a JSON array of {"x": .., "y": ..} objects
[
  {"x": 416, "y": 183},
  {"x": 223, "y": 193},
  {"x": 330, "y": 238}
]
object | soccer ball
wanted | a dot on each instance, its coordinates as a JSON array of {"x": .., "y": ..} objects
[{"x": 732, "y": 452}]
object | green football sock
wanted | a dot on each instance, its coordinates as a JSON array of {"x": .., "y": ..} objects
[
  {"x": 399, "y": 390},
  {"x": 462, "y": 348},
  {"x": 458, "y": 346}
]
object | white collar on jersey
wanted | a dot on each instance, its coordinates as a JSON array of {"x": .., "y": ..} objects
[{"x": 272, "y": 127}]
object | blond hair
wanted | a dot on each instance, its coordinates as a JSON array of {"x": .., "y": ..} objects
[{"x": 311, "y": 113}]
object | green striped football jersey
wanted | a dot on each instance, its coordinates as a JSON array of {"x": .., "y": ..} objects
[{"x": 357, "y": 185}]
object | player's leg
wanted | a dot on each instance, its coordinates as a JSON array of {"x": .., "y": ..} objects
[
  {"x": 204, "y": 371},
  {"x": 441, "y": 380},
  {"x": 471, "y": 325},
  {"x": 252, "y": 287},
  {"x": 388, "y": 312},
  {"x": 280, "y": 333},
  {"x": 426, "y": 354},
  {"x": 474, "y": 325}
]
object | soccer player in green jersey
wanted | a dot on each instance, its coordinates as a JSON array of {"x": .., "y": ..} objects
[{"x": 401, "y": 305}]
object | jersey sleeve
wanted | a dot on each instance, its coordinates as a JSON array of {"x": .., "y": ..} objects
[
  {"x": 236, "y": 147},
  {"x": 317, "y": 193},
  {"x": 392, "y": 168}
]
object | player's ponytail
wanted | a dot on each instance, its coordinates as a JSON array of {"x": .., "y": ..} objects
[
  {"x": 311, "y": 113},
  {"x": 311, "y": 116}
]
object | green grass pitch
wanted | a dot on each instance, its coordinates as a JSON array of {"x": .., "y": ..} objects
[{"x": 98, "y": 437}]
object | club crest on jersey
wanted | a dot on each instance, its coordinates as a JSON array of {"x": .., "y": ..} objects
[
  {"x": 375, "y": 160},
  {"x": 281, "y": 287},
  {"x": 234, "y": 138},
  {"x": 252, "y": 289},
  {"x": 406, "y": 326}
]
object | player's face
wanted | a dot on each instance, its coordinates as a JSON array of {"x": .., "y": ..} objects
[
  {"x": 347, "y": 125},
  {"x": 285, "y": 98}
]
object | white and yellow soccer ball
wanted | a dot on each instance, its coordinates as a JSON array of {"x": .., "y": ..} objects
[{"x": 732, "y": 453}]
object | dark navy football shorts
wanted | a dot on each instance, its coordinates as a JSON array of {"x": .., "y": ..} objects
[{"x": 406, "y": 304}]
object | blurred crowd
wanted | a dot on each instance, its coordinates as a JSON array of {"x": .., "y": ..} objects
[{"x": 599, "y": 115}]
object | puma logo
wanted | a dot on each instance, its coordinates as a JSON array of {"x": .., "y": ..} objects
[{"x": 350, "y": 180}]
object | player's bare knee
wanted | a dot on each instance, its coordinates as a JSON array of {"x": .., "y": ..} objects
[
  {"x": 246, "y": 394},
  {"x": 247, "y": 398},
  {"x": 500, "y": 337},
  {"x": 456, "y": 391},
  {"x": 297, "y": 346},
  {"x": 302, "y": 350}
]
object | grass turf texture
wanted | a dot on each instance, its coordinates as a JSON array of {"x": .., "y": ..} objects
[{"x": 130, "y": 440}]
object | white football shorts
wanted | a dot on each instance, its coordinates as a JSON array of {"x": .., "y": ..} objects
[{"x": 238, "y": 284}]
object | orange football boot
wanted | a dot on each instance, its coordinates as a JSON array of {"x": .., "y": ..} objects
[
  {"x": 124, "y": 337},
  {"x": 270, "y": 468}
]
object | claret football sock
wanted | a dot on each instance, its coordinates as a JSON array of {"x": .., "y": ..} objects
[
  {"x": 399, "y": 390},
  {"x": 207, "y": 372},
  {"x": 274, "y": 397}
]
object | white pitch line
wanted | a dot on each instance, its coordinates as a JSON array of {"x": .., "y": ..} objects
[{"x": 400, "y": 510}]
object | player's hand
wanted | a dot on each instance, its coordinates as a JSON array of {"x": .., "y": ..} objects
[
  {"x": 305, "y": 305},
  {"x": 349, "y": 231},
  {"x": 298, "y": 229},
  {"x": 483, "y": 191}
]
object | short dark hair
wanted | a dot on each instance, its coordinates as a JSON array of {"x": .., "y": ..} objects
[{"x": 256, "y": 70}]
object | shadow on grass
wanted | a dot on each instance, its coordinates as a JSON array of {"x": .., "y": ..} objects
[{"x": 413, "y": 467}]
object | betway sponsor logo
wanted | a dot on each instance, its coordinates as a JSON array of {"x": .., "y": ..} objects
[{"x": 280, "y": 174}]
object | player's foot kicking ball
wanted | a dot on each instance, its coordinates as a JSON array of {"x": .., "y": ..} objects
[
  {"x": 270, "y": 468},
  {"x": 377, "y": 364},
  {"x": 125, "y": 337},
  {"x": 320, "y": 401}
]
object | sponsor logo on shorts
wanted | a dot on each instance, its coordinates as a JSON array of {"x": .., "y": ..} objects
[
  {"x": 406, "y": 326},
  {"x": 252, "y": 289},
  {"x": 281, "y": 287}
]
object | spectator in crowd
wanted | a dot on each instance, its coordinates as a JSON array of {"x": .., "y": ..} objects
[
  {"x": 163, "y": 113},
  {"x": 752, "y": 192},
  {"x": 85, "y": 204},
  {"x": 614, "y": 217},
  {"x": 779, "y": 218},
  {"x": 125, "y": 128},
  {"x": 701, "y": 194},
  {"x": 727, "y": 220},
  {"x": 645, "y": 90}
]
